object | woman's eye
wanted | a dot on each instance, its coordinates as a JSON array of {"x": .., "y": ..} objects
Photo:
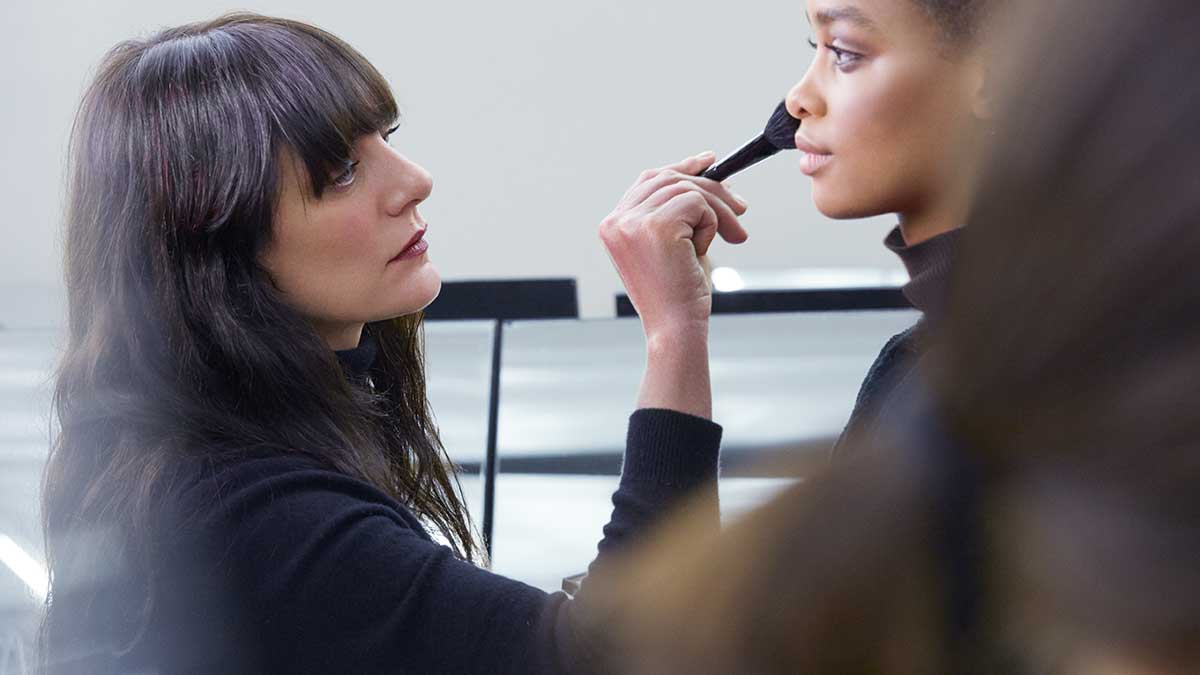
[
  {"x": 388, "y": 134},
  {"x": 346, "y": 177},
  {"x": 843, "y": 58}
]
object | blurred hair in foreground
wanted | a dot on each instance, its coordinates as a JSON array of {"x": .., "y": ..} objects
[{"x": 1066, "y": 380}]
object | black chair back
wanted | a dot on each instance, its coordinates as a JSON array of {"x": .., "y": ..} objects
[{"x": 505, "y": 300}]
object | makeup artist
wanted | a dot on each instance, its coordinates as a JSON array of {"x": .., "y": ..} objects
[{"x": 248, "y": 477}]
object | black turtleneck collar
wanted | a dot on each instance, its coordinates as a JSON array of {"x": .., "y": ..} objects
[
  {"x": 357, "y": 362},
  {"x": 928, "y": 264}
]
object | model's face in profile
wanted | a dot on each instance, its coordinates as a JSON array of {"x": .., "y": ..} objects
[
  {"x": 355, "y": 254},
  {"x": 882, "y": 105}
]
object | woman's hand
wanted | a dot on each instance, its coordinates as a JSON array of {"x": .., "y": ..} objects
[
  {"x": 656, "y": 237},
  {"x": 657, "y": 234}
]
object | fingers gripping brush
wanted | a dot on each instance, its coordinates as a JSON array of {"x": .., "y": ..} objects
[{"x": 780, "y": 134}]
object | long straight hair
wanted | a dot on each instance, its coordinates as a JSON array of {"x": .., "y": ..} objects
[{"x": 179, "y": 345}]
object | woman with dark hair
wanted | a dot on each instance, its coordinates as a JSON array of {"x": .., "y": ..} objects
[
  {"x": 893, "y": 109},
  {"x": 1037, "y": 508},
  {"x": 248, "y": 478}
]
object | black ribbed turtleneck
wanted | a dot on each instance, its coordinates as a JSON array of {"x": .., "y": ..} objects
[{"x": 928, "y": 264}]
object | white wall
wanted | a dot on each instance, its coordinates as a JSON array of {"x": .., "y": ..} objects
[{"x": 532, "y": 115}]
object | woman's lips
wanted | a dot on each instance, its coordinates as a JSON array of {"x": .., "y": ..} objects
[
  {"x": 811, "y": 163},
  {"x": 815, "y": 157},
  {"x": 415, "y": 248}
]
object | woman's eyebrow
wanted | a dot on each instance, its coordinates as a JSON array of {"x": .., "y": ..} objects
[{"x": 847, "y": 13}]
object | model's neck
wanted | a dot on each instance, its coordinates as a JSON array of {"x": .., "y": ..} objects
[
  {"x": 947, "y": 205},
  {"x": 916, "y": 231},
  {"x": 922, "y": 224}
]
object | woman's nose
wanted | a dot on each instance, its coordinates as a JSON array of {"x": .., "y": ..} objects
[
  {"x": 803, "y": 101},
  {"x": 412, "y": 185}
]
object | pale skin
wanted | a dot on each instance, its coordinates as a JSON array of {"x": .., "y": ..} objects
[
  {"x": 334, "y": 257},
  {"x": 891, "y": 115},
  {"x": 656, "y": 238}
]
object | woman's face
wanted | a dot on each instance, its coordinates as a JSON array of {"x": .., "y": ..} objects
[
  {"x": 356, "y": 254},
  {"x": 884, "y": 108}
]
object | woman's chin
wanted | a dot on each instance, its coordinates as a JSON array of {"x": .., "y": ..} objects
[
  {"x": 842, "y": 206},
  {"x": 417, "y": 293},
  {"x": 432, "y": 295},
  {"x": 422, "y": 294}
]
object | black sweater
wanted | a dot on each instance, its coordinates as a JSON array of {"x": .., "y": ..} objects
[
  {"x": 280, "y": 565},
  {"x": 929, "y": 265}
]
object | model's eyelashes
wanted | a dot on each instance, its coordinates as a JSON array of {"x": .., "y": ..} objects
[
  {"x": 388, "y": 133},
  {"x": 842, "y": 58}
]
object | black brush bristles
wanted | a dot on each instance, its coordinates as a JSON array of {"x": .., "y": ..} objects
[
  {"x": 781, "y": 128},
  {"x": 779, "y": 135}
]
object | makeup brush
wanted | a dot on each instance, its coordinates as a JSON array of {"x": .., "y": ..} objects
[{"x": 779, "y": 135}]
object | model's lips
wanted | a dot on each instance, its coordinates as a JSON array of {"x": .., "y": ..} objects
[
  {"x": 415, "y": 246},
  {"x": 808, "y": 147},
  {"x": 815, "y": 157}
]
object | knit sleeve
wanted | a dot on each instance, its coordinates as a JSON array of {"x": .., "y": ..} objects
[{"x": 330, "y": 575}]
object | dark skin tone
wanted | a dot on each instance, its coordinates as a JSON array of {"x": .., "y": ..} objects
[{"x": 890, "y": 120}]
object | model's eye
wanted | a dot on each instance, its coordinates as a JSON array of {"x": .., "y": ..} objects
[
  {"x": 388, "y": 134},
  {"x": 843, "y": 58},
  {"x": 345, "y": 178},
  {"x": 812, "y": 43}
]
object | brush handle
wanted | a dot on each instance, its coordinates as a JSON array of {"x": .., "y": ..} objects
[{"x": 746, "y": 156}]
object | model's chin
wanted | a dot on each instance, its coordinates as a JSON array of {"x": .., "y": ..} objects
[
  {"x": 830, "y": 206},
  {"x": 841, "y": 204}
]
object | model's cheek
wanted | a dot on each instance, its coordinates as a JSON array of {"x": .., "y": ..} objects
[
  {"x": 885, "y": 112},
  {"x": 860, "y": 122},
  {"x": 925, "y": 98},
  {"x": 863, "y": 147},
  {"x": 892, "y": 128}
]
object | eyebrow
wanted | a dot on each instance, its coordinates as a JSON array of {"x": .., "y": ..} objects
[{"x": 853, "y": 15}]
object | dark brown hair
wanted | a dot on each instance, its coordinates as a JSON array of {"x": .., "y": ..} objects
[{"x": 179, "y": 345}]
